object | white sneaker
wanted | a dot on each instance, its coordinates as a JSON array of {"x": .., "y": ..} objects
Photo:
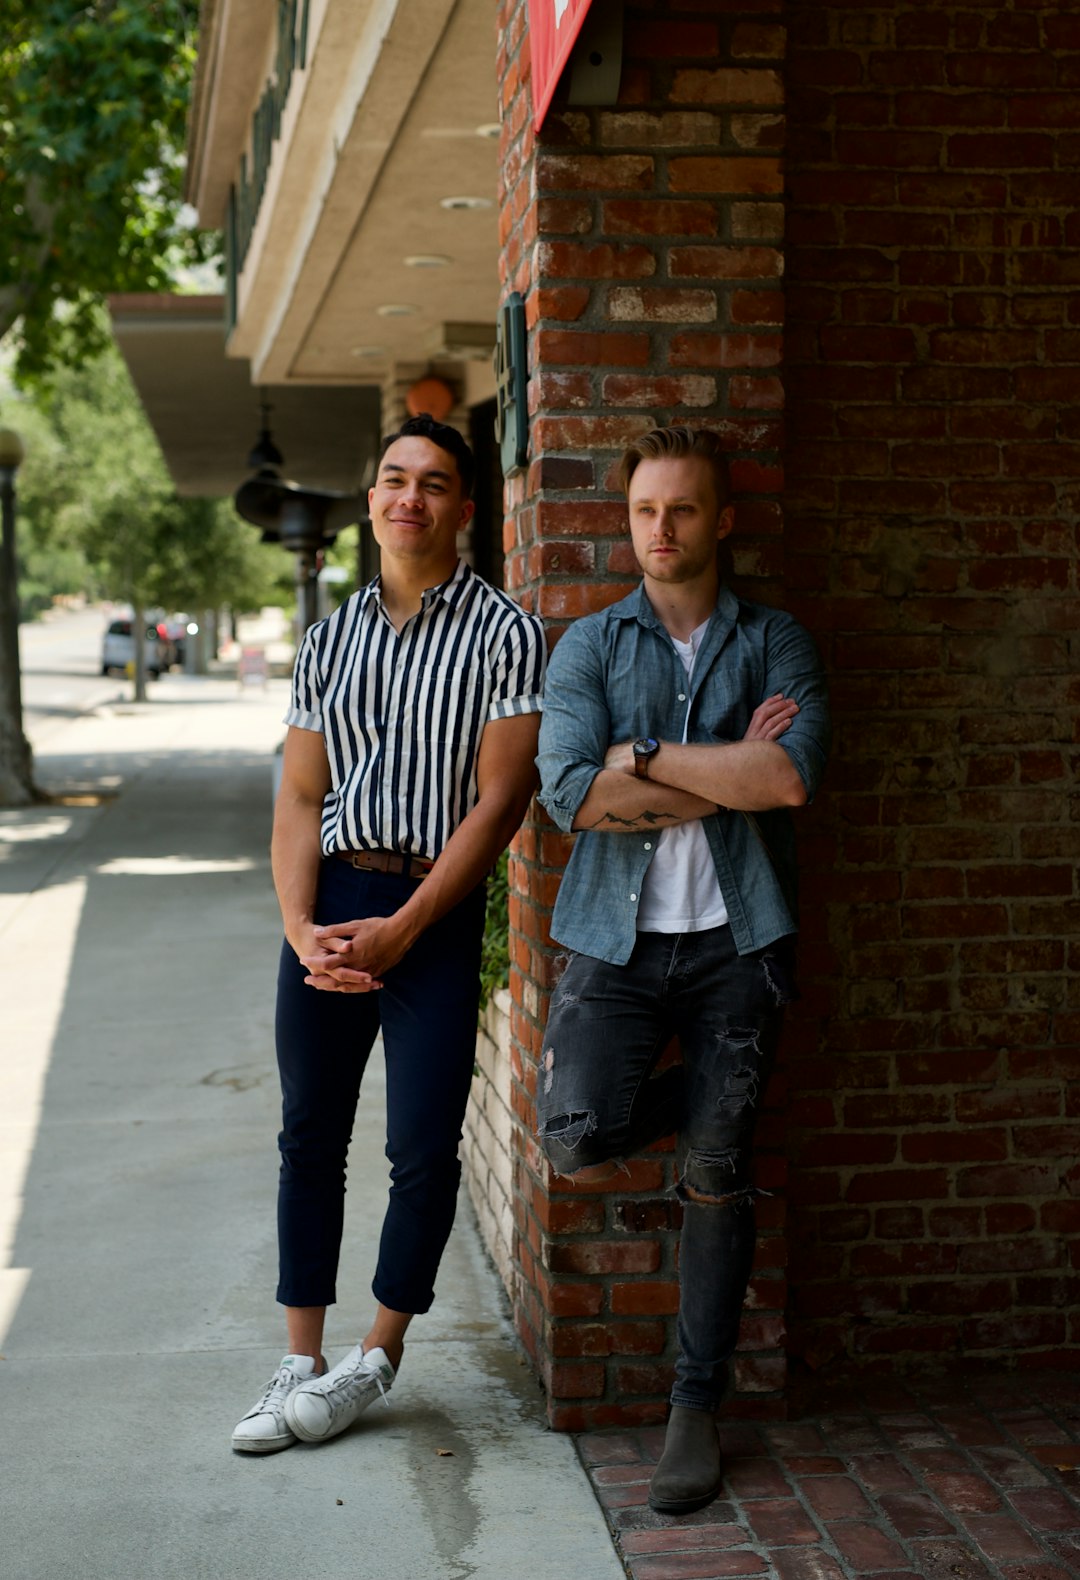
[
  {"x": 326, "y": 1405},
  {"x": 263, "y": 1429}
]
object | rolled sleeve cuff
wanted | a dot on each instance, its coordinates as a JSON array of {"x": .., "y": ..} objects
[
  {"x": 563, "y": 805},
  {"x": 510, "y": 707},
  {"x": 297, "y": 719},
  {"x": 808, "y": 766}
]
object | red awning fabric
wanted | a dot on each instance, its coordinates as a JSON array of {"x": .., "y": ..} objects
[{"x": 554, "y": 26}]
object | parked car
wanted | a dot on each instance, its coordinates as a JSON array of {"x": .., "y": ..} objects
[
  {"x": 118, "y": 649},
  {"x": 175, "y": 630}
]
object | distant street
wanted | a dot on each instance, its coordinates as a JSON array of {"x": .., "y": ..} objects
[{"x": 61, "y": 670}]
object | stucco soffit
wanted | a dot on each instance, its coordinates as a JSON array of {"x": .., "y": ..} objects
[{"x": 348, "y": 121}]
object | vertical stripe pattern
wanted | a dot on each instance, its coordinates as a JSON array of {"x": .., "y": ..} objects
[{"x": 402, "y": 713}]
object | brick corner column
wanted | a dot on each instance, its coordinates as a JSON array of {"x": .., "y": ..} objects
[{"x": 644, "y": 239}]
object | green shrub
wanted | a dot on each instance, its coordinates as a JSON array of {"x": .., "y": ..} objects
[{"x": 495, "y": 953}]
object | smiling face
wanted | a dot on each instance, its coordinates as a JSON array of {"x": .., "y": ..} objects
[
  {"x": 676, "y": 520},
  {"x": 417, "y": 505}
]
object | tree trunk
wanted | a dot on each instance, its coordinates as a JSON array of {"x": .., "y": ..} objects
[{"x": 17, "y": 786}]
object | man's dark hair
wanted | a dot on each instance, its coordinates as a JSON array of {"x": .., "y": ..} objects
[
  {"x": 447, "y": 438},
  {"x": 667, "y": 444}
]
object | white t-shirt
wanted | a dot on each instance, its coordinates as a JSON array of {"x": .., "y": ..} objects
[{"x": 680, "y": 892}]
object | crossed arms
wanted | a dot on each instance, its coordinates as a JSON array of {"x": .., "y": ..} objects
[{"x": 688, "y": 782}]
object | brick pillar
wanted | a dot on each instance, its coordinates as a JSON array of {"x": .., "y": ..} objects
[{"x": 644, "y": 238}]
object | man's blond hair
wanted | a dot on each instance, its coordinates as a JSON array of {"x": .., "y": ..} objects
[{"x": 672, "y": 444}]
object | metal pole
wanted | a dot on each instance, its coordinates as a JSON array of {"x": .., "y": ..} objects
[{"x": 307, "y": 592}]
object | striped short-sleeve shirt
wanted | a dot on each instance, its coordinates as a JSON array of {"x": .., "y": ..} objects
[{"x": 403, "y": 712}]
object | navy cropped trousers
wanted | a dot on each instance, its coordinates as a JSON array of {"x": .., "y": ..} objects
[{"x": 427, "y": 1011}]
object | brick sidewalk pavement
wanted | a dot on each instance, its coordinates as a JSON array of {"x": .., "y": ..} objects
[{"x": 966, "y": 1478}]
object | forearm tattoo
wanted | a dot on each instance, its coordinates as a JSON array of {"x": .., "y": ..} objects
[{"x": 648, "y": 818}]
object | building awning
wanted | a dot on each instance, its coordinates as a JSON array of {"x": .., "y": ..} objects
[{"x": 205, "y": 411}]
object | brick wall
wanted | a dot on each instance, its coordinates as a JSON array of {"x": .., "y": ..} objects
[
  {"x": 645, "y": 240},
  {"x": 934, "y": 479},
  {"x": 488, "y": 1138}
]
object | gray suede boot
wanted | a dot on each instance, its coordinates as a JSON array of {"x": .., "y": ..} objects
[{"x": 689, "y": 1473}]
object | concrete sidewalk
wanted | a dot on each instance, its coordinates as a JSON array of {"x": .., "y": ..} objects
[{"x": 138, "y": 1115}]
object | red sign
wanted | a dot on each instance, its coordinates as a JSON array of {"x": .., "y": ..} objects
[{"x": 554, "y": 26}]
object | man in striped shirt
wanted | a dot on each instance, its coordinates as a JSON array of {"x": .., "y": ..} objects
[{"x": 408, "y": 766}]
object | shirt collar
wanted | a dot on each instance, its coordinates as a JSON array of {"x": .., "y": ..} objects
[
  {"x": 636, "y": 606},
  {"x": 446, "y": 590}
]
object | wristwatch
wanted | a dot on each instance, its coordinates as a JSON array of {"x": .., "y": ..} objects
[{"x": 644, "y": 748}]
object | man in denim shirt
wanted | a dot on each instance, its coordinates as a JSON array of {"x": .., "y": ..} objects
[{"x": 679, "y": 726}]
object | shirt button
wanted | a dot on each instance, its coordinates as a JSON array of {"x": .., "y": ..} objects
[
  {"x": 647, "y": 845},
  {"x": 682, "y": 696},
  {"x": 633, "y": 896}
]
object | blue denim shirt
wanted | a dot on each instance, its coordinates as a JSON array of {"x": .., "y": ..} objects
[{"x": 615, "y": 676}]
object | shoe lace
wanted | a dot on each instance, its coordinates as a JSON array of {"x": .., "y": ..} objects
[
  {"x": 280, "y": 1385},
  {"x": 361, "y": 1375}
]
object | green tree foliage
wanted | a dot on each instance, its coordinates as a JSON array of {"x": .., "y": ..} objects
[
  {"x": 95, "y": 492},
  {"x": 93, "y": 106}
]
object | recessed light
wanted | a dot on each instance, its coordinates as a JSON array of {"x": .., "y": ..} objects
[
  {"x": 368, "y": 352},
  {"x": 489, "y": 129},
  {"x": 427, "y": 260},
  {"x": 466, "y": 202},
  {"x": 396, "y": 310}
]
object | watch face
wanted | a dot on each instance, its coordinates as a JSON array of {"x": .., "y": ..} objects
[{"x": 646, "y": 746}]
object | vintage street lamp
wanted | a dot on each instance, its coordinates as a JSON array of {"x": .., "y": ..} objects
[
  {"x": 303, "y": 520},
  {"x": 15, "y": 757}
]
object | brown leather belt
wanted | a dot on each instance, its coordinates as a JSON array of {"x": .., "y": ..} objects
[{"x": 387, "y": 861}]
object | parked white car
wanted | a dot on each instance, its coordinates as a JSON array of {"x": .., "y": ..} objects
[{"x": 118, "y": 649}]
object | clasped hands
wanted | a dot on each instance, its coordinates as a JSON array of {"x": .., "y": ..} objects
[
  {"x": 768, "y": 721},
  {"x": 353, "y": 957}
]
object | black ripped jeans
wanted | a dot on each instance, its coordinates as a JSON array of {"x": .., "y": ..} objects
[{"x": 595, "y": 1101}]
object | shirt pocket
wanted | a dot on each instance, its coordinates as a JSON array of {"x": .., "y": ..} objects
[{"x": 448, "y": 701}]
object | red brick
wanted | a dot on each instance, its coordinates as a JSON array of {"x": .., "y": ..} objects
[
  {"x": 666, "y": 129},
  {"x": 1000, "y": 151},
  {"x": 569, "y": 601},
  {"x": 897, "y": 1185},
  {"x": 626, "y": 217},
  {"x": 671, "y": 39},
  {"x": 572, "y": 260},
  {"x": 569, "y": 1381},
  {"x": 584, "y": 348},
  {"x": 570, "y": 518},
  {"x": 781, "y": 1522},
  {"x": 755, "y": 393},
  {"x": 563, "y": 303},
  {"x": 756, "y": 307},
  {"x": 727, "y": 86},
  {"x": 725, "y": 350},
  {"x": 588, "y": 432},
  {"x": 594, "y": 172},
  {"x": 866, "y": 1548},
  {"x": 689, "y": 390},
  {"x": 963, "y": 1146},
  {"x": 757, "y": 40},
  {"x": 645, "y": 1298},
  {"x": 663, "y": 305},
  {"x": 704, "y": 173},
  {"x": 574, "y": 1300},
  {"x": 564, "y": 216},
  {"x": 724, "y": 263}
]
